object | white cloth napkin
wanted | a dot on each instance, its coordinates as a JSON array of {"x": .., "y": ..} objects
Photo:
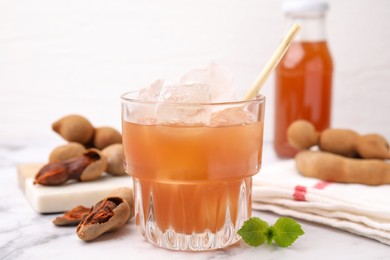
[{"x": 359, "y": 209}]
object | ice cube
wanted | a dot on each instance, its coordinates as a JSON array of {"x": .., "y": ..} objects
[
  {"x": 141, "y": 113},
  {"x": 186, "y": 93},
  {"x": 209, "y": 85},
  {"x": 179, "y": 104},
  {"x": 152, "y": 92},
  {"x": 216, "y": 77},
  {"x": 232, "y": 116},
  {"x": 144, "y": 112}
]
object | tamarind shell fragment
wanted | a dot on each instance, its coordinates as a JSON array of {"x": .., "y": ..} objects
[{"x": 72, "y": 217}]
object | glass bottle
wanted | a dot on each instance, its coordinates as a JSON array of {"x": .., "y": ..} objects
[{"x": 304, "y": 76}]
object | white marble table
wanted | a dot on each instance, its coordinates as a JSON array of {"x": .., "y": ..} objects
[{"x": 25, "y": 234}]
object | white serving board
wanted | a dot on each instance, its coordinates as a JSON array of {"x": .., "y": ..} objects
[{"x": 52, "y": 199}]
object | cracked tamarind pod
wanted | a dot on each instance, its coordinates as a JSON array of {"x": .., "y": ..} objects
[
  {"x": 90, "y": 166},
  {"x": 107, "y": 215}
]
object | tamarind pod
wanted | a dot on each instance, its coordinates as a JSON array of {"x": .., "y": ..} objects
[
  {"x": 74, "y": 128},
  {"x": 335, "y": 168},
  {"x": 301, "y": 134},
  {"x": 373, "y": 146},
  {"x": 339, "y": 141}
]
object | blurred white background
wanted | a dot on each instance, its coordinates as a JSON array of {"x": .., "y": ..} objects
[{"x": 78, "y": 56}]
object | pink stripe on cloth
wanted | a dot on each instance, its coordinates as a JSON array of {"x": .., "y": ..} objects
[
  {"x": 300, "y": 190},
  {"x": 300, "y": 193},
  {"x": 321, "y": 185}
]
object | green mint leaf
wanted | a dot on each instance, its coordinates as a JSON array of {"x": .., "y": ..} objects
[
  {"x": 253, "y": 232},
  {"x": 286, "y": 231}
]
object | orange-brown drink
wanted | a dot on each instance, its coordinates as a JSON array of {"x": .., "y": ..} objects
[{"x": 192, "y": 178}]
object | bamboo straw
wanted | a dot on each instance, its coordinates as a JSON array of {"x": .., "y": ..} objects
[{"x": 273, "y": 62}]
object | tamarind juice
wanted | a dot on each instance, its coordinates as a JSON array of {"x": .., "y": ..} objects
[
  {"x": 303, "y": 90},
  {"x": 192, "y": 183}
]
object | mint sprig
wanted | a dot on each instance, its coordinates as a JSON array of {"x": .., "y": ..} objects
[
  {"x": 284, "y": 232},
  {"x": 253, "y": 231}
]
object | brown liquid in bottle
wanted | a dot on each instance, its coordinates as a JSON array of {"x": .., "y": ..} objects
[{"x": 303, "y": 91}]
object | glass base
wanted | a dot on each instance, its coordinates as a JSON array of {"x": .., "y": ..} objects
[
  {"x": 194, "y": 242},
  {"x": 168, "y": 238}
]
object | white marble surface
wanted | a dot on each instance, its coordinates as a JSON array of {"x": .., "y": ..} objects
[{"x": 25, "y": 234}]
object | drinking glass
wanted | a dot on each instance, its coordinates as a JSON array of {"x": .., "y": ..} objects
[{"x": 192, "y": 178}]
